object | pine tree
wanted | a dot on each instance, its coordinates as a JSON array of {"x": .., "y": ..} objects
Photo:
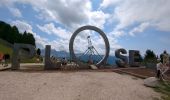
[
  {"x": 150, "y": 56},
  {"x": 38, "y": 52},
  {"x": 12, "y": 35}
]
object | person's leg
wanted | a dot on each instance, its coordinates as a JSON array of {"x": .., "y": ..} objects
[
  {"x": 161, "y": 74},
  {"x": 166, "y": 68},
  {"x": 158, "y": 74}
]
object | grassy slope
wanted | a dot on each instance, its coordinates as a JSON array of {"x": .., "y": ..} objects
[
  {"x": 164, "y": 88},
  {"x": 5, "y": 50}
]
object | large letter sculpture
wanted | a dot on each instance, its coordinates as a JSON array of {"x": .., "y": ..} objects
[
  {"x": 101, "y": 33},
  {"x": 19, "y": 53},
  {"x": 133, "y": 56},
  {"x": 123, "y": 60},
  {"x": 48, "y": 63}
]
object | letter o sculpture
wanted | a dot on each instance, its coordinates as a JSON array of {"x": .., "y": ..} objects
[{"x": 102, "y": 34}]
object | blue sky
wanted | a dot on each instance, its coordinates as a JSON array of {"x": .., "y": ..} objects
[{"x": 129, "y": 24}]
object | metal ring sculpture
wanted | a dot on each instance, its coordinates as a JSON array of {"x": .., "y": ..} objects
[{"x": 88, "y": 27}]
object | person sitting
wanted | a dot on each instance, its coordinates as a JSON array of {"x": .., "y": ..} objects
[
  {"x": 161, "y": 70},
  {"x": 159, "y": 67},
  {"x": 64, "y": 61}
]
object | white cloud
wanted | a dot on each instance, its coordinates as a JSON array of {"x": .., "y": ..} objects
[
  {"x": 58, "y": 31},
  {"x": 62, "y": 43},
  {"x": 107, "y": 3},
  {"x": 129, "y": 12},
  {"x": 71, "y": 14},
  {"x": 116, "y": 33},
  {"x": 48, "y": 28},
  {"x": 57, "y": 45},
  {"x": 9, "y": 4},
  {"x": 163, "y": 25},
  {"x": 68, "y": 13},
  {"x": 41, "y": 41},
  {"x": 98, "y": 18},
  {"x": 113, "y": 44},
  {"x": 139, "y": 29},
  {"x": 16, "y": 12},
  {"x": 22, "y": 26}
]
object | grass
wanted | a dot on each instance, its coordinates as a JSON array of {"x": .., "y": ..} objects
[
  {"x": 32, "y": 60},
  {"x": 5, "y": 50},
  {"x": 164, "y": 88}
]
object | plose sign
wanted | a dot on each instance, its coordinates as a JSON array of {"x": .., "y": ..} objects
[{"x": 121, "y": 62}]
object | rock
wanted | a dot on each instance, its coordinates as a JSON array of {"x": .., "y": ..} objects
[
  {"x": 152, "y": 82},
  {"x": 93, "y": 67}
]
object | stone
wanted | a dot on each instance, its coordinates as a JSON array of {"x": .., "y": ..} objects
[
  {"x": 93, "y": 67},
  {"x": 151, "y": 82}
]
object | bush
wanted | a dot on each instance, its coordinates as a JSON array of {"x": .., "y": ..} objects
[{"x": 150, "y": 59}]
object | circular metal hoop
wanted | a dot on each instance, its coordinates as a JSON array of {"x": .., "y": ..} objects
[{"x": 88, "y": 27}]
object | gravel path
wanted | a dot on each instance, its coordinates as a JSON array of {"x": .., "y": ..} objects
[{"x": 72, "y": 86}]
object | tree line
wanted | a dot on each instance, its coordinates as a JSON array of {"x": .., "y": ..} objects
[{"x": 12, "y": 35}]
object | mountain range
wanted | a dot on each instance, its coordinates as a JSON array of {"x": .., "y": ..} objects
[{"x": 64, "y": 54}]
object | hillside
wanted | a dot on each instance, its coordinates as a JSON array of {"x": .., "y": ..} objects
[{"x": 5, "y": 49}]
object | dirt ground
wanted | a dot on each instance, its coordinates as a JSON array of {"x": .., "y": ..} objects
[{"x": 82, "y": 85}]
